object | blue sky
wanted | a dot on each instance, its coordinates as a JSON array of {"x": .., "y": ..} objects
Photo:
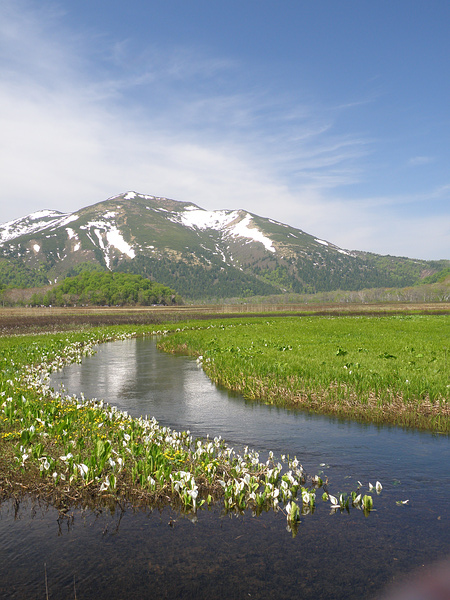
[{"x": 331, "y": 116}]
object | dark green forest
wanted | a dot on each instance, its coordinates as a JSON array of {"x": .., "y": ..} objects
[
  {"x": 196, "y": 277},
  {"x": 199, "y": 281},
  {"x": 14, "y": 273}
]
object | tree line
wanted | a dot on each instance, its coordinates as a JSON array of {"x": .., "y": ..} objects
[{"x": 106, "y": 289}]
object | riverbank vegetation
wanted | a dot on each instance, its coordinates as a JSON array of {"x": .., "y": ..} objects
[
  {"x": 71, "y": 450},
  {"x": 389, "y": 369}
]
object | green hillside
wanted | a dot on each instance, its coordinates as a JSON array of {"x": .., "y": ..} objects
[{"x": 203, "y": 255}]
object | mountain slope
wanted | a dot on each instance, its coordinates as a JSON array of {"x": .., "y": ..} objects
[{"x": 199, "y": 253}]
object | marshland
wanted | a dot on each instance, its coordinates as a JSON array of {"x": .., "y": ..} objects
[{"x": 360, "y": 422}]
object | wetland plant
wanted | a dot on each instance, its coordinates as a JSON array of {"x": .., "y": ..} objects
[
  {"x": 391, "y": 369},
  {"x": 81, "y": 449}
]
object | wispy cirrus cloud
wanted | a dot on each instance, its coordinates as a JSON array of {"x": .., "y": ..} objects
[
  {"x": 416, "y": 161},
  {"x": 177, "y": 123},
  {"x": 60, "y": 118}
]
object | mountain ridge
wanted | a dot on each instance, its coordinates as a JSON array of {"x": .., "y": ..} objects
[{"x": 199, "y": 253}]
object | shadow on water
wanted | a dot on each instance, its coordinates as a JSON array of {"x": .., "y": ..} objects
[{"x": 162, "y": 554}]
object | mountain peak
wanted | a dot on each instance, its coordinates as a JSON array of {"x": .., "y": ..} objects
[{"x": 197, "y": 252}]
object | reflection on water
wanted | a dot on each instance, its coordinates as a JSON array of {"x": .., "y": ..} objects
[
  {"x": 140, "y": 555},
  {"x": 134, "y": 376}
]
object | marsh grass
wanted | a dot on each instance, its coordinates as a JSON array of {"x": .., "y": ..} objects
[
  {"x": 70, "y": 450},
  {"x": 390, "y": 369},
  {"x": 19, "y": 321}
]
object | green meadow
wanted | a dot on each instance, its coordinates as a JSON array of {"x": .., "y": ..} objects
[
  {"x": 70, "y": 450},
  {"x": 390, "y": 369}
]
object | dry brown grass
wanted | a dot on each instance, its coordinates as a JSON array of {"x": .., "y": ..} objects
[{"x": 15, "y": 321}]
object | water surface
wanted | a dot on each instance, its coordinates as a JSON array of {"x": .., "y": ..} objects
[{"x": 164, "y": 555}]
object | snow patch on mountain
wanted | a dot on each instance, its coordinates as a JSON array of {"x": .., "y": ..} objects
[
  {"x": 95, "y": 224},
  {"x": 105, "y": 229},
  {"x": 207, "y": 219},
  {"x": 277, "y": 223},
  {"x": 64, "y": 221},
  {"x": 243, "y": 229},
  {"x": 32, "y": 223},
  {"x": 132, "y": 195},
  {"x": 229, "y": 222},
  {"x": 101, "y": 243},
  {"x": 115, "y": 239}
]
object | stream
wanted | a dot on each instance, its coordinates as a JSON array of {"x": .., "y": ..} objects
[{"x": 160, "y": 554}]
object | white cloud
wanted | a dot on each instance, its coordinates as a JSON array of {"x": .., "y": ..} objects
[
  {"x": 420, "y": 160},
  {"x": 73, "y": 135},
  {"x": 384, "y": 225},
  {"x": 67, "y": 140}
]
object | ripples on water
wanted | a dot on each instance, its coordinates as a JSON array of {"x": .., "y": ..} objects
[{"x": 139, "y": 555}]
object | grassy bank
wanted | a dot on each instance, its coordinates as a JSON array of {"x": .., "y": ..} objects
[
  {"x": 389, "y": 369},
  {"x": 76, "y": 451}
]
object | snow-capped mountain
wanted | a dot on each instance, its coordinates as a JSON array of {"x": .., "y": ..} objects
[{"x": 198, "y": 252}]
